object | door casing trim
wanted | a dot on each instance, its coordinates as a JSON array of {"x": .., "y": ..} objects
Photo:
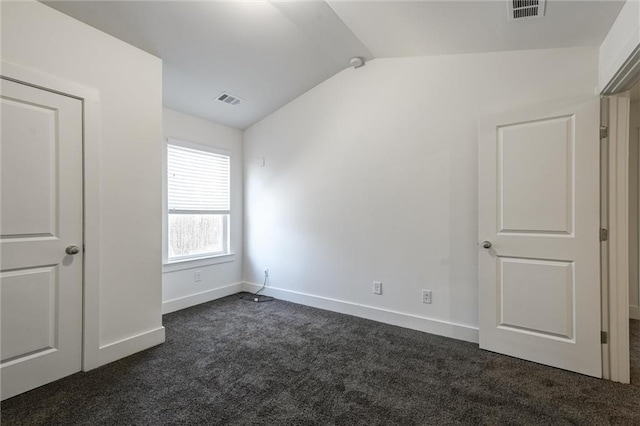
[
  {"x": 616, "y": 310},
  {"x": 90, "y": 98}
]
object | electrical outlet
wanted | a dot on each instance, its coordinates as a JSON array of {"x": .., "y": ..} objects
[
  {"x": 426, "y": 296},
  {"x": 197, "y": 276},
  {"x": 266, "y": 273},
  {"x": 377, "y": 287}
]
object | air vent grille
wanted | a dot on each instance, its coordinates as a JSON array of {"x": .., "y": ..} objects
[
  {"x": 229, "y": 99},
  {"x": 524, "y": 9}
]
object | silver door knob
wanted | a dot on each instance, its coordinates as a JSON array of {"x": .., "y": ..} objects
[
  {"x": 486, "y": 244},
  {"x": 72, "y": 250}
]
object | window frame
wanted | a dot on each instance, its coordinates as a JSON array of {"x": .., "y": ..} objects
[{"x": 196, "y": 260}]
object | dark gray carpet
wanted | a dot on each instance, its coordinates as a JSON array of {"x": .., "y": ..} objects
[
  {"x": 277, "y": 363},
  {"x": 634, "y": 351}
]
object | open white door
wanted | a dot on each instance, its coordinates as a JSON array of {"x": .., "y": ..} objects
[
  {"x": 40, "y": 237},
  {"x": 539, "y": 227}
]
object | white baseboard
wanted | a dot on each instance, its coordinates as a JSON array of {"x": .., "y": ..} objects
[
  {"x": 129, "y": 346},
  {"x": 634, "y": 312},
  {"x": 198, "y": 298},
  {"x": 414, "y": 322}
]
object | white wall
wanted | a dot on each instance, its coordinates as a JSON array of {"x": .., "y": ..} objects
[
  {"x": 179, "y": 289},
  {"x": 372, "y": 176},
  {"x": 634, "y": 210},
  {"x": 621, "y": 41},
  {"x": 128, "y": 193}
]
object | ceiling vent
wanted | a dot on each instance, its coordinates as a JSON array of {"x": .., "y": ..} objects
[
  {"x": 525, "y": 9},
  {"x": 229, "y": 99}
]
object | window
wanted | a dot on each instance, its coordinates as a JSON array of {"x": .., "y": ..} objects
[{"x": 198, "y": 202}]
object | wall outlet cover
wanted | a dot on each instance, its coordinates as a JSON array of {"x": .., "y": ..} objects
[{"x": 377, "y": 287}]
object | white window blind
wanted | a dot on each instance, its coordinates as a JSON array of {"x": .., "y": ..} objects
[{"x": 197, "y": 181}]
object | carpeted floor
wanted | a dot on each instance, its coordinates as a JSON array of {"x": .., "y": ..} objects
[
  {"x": 634, "y": 351},
  {"x": 277, "y": 363}
]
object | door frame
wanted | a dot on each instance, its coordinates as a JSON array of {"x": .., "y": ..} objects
[
  {"x": 90, "y": 99},
  {"x": 615, "y": 253}
]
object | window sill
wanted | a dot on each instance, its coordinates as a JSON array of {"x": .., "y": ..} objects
[{"x": 198, "y": 262}]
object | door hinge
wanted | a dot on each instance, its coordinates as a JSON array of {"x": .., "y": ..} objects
[
  {"x": 604, "y": 132},
  {"x": 604, "y": 234},
  {"x": 604, "y": 337}
]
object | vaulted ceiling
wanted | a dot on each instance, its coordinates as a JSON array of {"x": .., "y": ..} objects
[{"x": 268, "y": 53}]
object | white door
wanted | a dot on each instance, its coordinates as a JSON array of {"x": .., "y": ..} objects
[
  {"x": 539, "y": 210},
  {"x": 40, "y": 218}
]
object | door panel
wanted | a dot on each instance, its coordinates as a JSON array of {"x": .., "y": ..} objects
[
  {"x": 30, "y": 208},
  {"x": 524, "y": 282},
  {"x": 535, "y": 176},
  {"x": 539, "y": 282},
  {"x": 28, "y": 311},
  {"x": 41, "y": 215}
]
